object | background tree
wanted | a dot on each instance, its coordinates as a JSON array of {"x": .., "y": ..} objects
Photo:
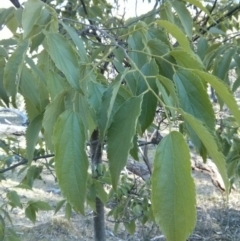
[{"x": 89, "y": 78}]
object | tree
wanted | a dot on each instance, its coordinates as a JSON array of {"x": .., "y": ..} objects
[{"x": 89, "y": 78}]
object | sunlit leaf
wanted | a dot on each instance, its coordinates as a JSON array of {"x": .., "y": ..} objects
[
  {"x": 176, "y": 33},
  {"x": 173, "y": 191},
  {"x": 210, "y": 144}
]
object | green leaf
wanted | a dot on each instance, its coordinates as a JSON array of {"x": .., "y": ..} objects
[
  {"x": 135, "y": 42},
  {"x": 101, "y": 193},
  {"x": 223, "y": 92},
  {"x": 32, "y": 136},
  {"x": 134, "y": 150},
  {"x": 202, "y": 47},
  {"x": 184, "y": 16},
  {"x": 173, "y": 190},
  {"x": 176, "y": 33},
  {"x": 2, "y": 228},
  {"x": 131, "y": 227},
  {"x": 71, "y": 162},
  {"x": 28, "y": 87},
  {"x": 166, "y": 12},
  {"x": 77, "y": 41},
  {"x": 105, "y": 111},
  {"x": 68, "y": 211},
  {"x": 14, "y": 199},
  {"x": 3, "y": 93},
  {"x": 3, "y": 52},
  {"x": 41, "y": 205},
  {"x": 59, "y": 205},
  {"x": 64, "y": 58},
  {"x": 222, "y": 64},
  {"x": 33, "y": 173},
  {"x": 12, "y": 68},
  {"x": 31, "y": 14},
  {"x": 210, "y": 144},
  {"x": 96, "y": 91},
  {"x": 149, "y": 103},
  {"x": 120, "y": 136},
  {"x": 199, "y": 4},
  {"x": 157, "y": 47},
  {"x": 53, "y": 110},
  {"x": 187, "y": 60},
  {"x": 55, "y": 83},
  {"x": 30, "y": 213},
  {"x": 194, "y": 98},
  {"x": 8, "y": 42},
  {"x": 169, "y": 85},
  {"x": 195, "y": 101}
]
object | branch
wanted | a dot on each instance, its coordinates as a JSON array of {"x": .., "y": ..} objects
[
  {"x": 227, "y": 15},
  {"x": 23, "y": 162}
]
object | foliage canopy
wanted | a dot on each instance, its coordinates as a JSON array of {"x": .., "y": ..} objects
[{"x": 91, "y": 78}]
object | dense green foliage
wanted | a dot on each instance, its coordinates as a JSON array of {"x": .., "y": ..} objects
[{"x": 90, "y": 78}]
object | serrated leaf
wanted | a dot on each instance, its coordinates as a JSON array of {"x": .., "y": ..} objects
[
  {"x": 12, "y": 67},
  {"x": 210, "y": 144},
  {"x": 55, "y": 83},
  {"x": 53, "y": 111},
  {"x": 184, "y": 16},
  {"x": 157, "y": 47},
  {"x": 68, "y": 211},
  {"x": 187, "y": 60},
  {"x": 96, "y": 91},
  {"x": 169, "y": 85},
  {"x": 59, "y": 205},
  {"x": 28, "y": 87},
  {"x": 31, "y": 13},
  {"x": 120, "y": 136},
  {"x": 30, "y": 213},
  {"x": 77, "y": 41},
  {"x": 166, "y": 12},
  {"x": 64, "y": 58},
  {"x": 135, "y": 42},
  {"x": 32, "y": 135},
  {"x": 173, "y": 191},
  {"x": 71, "y": 162},
  {"x": 176, "y": 33},
  {"x": 14, "y": 199},
  {"x": 223, "y": 92}
]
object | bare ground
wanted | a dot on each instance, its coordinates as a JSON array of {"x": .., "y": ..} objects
[{"x": 217, "y": 219}]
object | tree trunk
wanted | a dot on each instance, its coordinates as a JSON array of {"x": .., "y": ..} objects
[{"x": 98, "y": 219}]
